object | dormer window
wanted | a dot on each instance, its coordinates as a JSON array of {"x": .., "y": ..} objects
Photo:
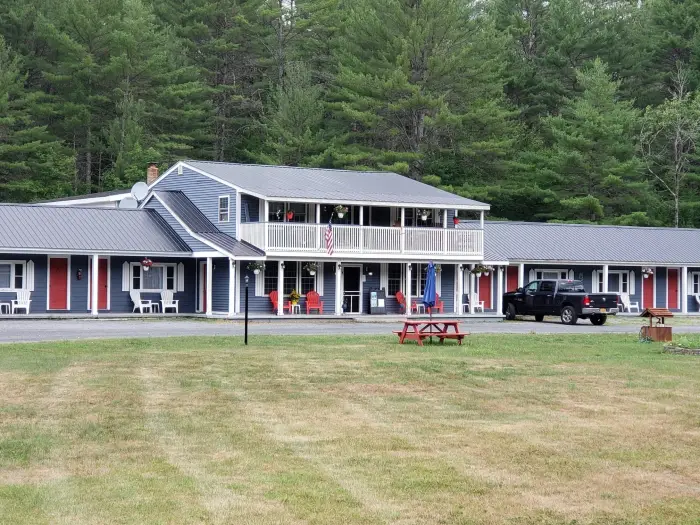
[{"x": 224, "y": 208}]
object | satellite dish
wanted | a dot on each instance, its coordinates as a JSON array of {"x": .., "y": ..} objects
[
  {"x": 139, "y": 191},
  {"x": 128, "y": 203}
]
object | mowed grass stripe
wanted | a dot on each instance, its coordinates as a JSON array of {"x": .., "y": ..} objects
[{"x": 517, "y": 429}]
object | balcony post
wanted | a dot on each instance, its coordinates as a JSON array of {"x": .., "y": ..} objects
[
  {"x": 362, "y": 230},
  {"x": 265, "y": 222},
  {"x": 318, "y": 214},
  {"x": 280, "y": 287},
  {"x": 444, "y": 231},
  {"x": 481, "y": 220},
  {"x": 403, "y": 230}
]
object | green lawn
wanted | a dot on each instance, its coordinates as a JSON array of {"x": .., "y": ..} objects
[{"x": 505, "y": 429}]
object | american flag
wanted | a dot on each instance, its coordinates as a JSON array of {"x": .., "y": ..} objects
[{"x": 329, "y": 238}]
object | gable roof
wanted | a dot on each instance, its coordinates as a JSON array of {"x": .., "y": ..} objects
[
  {"x": 334, "y": 186},
  {"x": 195, "y": 221},
  {"x": 555, "y": 242},
  {"x": 26, "y": 228}
]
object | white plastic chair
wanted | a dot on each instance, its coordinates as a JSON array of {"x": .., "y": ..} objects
[
  {"x": 139, "y": 303},
  {"x": 627, "y": 304},
  {"x": 697, "y": 300},
  {"x": 22, "y": 302},
  {"x": 168, "y": 302},
  {"x": 479, "y": 306}
]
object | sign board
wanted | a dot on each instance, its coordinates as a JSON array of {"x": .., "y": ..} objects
[{"x": 377, "y": 301}]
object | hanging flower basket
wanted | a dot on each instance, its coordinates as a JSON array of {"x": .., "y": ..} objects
[
  {"x": 424, "y": 214},
  {"x": 311, "y": 267},
  {"x": 340, "y": 210},
  {"x": 146, "y": 263},
  {"x": 455, "y": 220},
  {"x": 256, "y": 267},
  {"x": 480, "y": 270},
  {"x": 290, "y": 215},
  {"x": 647, "y": 272}
]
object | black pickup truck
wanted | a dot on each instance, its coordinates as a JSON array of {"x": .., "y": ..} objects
[{"x": 567, "y": 299}]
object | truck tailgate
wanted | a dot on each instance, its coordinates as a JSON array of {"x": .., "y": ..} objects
[{"x": 603, "y": 300}]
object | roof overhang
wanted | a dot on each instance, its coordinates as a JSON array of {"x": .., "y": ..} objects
[{"x": 72, "y": 251}]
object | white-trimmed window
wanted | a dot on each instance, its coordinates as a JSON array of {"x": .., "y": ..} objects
[
  {"x": 295, "y": 278},
  {"x": 394, "y": 278},
  {"x": 158, "y": 278},
  {"x": 695, "y": 283},
  {"x": 270, "y": 277},
  {"x": 224, "y": 208},
  {"x": 543, "y": 274},
  {"x": 623, "y": 281},
  {"x": 12, "y": 276}
]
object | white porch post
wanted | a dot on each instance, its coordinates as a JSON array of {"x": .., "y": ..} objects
[
  {"x": 264, "y": 220},
  {"x": 460, "y": 289},
  {"x": 481, "y": 219},
  {"x": 338, "y": 289},
  {"x": 605, "y": 278},
  {"x": 318, "y": 214},
  {"x": 684, "y": 290},
  {"x": 280, "y": 287},
  {"x": 444, "y": 231},
  {"x": 231, "y": 287},
  {"x": 362, "y": 230},
  {"x": 403, "y": 231},
  {"x": 408, "y": 288},
  {"x": 499, "y": 291},
  {"x": 94, "y": 284},
  {"x": 210, "y": 284},
  {"x": 472, "y": 287},
  {"x": 239, "y": 269},
  {"x": 521, "y": 275}
]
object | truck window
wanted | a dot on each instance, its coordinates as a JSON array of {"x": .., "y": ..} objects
[
  {"x": 547, "y": 286},
  {"x": 532, "y": 287},
  {"x": 572, "y": 287}
]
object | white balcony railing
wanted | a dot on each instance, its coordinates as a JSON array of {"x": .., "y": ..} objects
[{"x": 289, "y": 237}]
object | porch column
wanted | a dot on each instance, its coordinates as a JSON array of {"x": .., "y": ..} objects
[
  {"x": 403, "y": 230},
  {"x": 94, "y": 284},
  {"x": 472, "y": 287},
  {"x": 481, "y": 219},
  {"x": 408, "y": 288},
  {"x": 605, "y": 278},
  {"x": 338, "y": 289},
  {"x": 280, "y": 287},
  {"x": 210, "y": 284},
  {"x": 499, "y": 291},
  {"x": 239, "y": 269},
  {"x": 684, "y": 290},
  {"x": 318, "y": 214},
  {"x": 521, "y": 275},
  {"x": 362, "y": 230},
  {"x": 264, "y": 220},
  {"x": 232, "y": 287},
  {"x": 460, "y": 289},
  {"x": 444, "y": 231}
]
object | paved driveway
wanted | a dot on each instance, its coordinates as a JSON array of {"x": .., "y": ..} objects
[{"x": 70, "y": 329}]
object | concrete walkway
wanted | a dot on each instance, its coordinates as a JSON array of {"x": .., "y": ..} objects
[{"x": 30, "y": 330}]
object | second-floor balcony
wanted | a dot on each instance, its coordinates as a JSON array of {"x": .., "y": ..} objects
[{"x": 288, "y": 238}]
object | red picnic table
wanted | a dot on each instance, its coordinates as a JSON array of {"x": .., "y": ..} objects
[{"x": 419, "y": 330}]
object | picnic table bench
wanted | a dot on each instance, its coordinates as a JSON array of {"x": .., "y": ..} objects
[{"x": 419, "y": 330}]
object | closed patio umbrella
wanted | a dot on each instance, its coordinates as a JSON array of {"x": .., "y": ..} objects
[{"x": 429, "y": 294}]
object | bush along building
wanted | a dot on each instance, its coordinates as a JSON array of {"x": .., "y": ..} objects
[{"x": 329, "y": 236}]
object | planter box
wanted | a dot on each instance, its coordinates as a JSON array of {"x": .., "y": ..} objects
[{"x": 658, "y": 333}]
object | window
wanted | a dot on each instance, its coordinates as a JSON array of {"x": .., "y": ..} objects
[
  {"x": 420, "y": 272},
  {"x": 295, "y": 278},
  {"x": 270, "y": 277},
  {"x": 574, "y": 287},
  {"x": 547, "y": 286},
  {"x": 532, "y": 287},
  {"x": 300, "y": 212},
  {"x": 695, "y": 280},
  {"x": 11, "y": 276},
  {"x": 620, "y": 282},
  {"x": 551, "y": 274},
  {"x": 158, "y": 278},
  {"x": 224, "y": 208},
  {"x": 395, "y": 278}
]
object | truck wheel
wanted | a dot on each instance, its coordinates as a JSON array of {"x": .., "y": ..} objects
[
  {"x": 568, "y": 315},
  {"x": 539, "y": 317},
  {"x": 598, "y": 319},
  {"x": 510, "y": 312}
]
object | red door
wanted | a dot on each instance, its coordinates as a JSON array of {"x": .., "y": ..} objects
[
  {"x": 102, "y": 285},
  {"x": 672, "y": 287},
  {"x": 648, "y": 292},
  {"x": 485, "y": 290},
  {"x": 58, "y": 284},
  {"x": 511, "y": 278}
]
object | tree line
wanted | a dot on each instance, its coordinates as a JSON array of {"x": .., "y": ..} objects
[{"x": 564, "y": 110}]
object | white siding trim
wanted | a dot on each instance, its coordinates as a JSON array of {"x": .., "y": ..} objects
[
  {"x": 319, "y": 279},
  {"x": 126, "y": 277},
  {"x": 180, "y": 276},
  {"x": 384, "y": 277},
  {"x": 260, "y": 283}
]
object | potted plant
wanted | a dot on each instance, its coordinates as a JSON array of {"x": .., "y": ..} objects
[
  {"x": 438, "y": 268},
  {"x": 256, "y": 267},
  {"x": 290, "y": 215},
  {"x": 647, "y": 272},
  {"x": 311, "y": 267},
  {"x": 424, "y": 214},
  {"x": 340, "y": 210},
  {"x": 294, "y": 297},
  {"x": 455, "y": 220}
]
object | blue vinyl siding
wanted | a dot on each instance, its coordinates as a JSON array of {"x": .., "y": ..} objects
[
  {"x": 204, "y": 192},
  {"x": 371, "y": 282},
  {"x": 121, "y": 301},
  {"x": 38, "y": 296},
  {"x": 79, "y": 288},
  {"x": 661, "y": 288},
  {"x": 447, "y": 286},
  {"x": 253, "y": 205},
  {"x": 193, "y": 243},
  {"x": 328, "y": 296}
]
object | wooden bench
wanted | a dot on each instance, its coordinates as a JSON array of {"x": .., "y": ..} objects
[{"x": 419, "y": 330}]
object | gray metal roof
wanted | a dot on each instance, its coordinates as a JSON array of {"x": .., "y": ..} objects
[
  {"x": 336, "y": 186},
  {"x": 97, "y": 195},
  {"x": 197, "y": 222},
  {"x": 527, "y": 241},
  {"x": 40, "y": 229}
]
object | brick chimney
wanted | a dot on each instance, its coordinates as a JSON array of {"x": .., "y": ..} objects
[{"x": 151, "y": 173}]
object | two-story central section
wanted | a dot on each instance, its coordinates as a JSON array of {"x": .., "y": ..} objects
[{"x": 331, "y": 236}]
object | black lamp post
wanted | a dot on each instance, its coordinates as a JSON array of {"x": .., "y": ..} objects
[{"x": 245, "y": 338}]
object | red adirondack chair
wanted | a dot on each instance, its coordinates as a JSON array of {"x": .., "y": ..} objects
[
  {"x": 401, "y": 299},
  {"x": 439, "y": 304},
  {"x": 273, "y": 299},
  {"x": 313, "y": 302}
]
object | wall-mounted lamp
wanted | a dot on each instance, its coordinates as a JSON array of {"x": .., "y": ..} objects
[
  {"x": 368, "y": 270},
  {"x": 79, "y": 274},
  {"x": 282, "y": 266}
]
